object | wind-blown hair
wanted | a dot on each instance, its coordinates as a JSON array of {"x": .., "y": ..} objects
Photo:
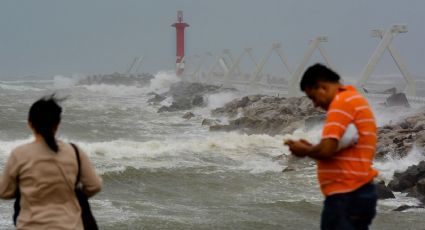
[
  {"x": 45, "y": 116},
  {"x": 318, "y": 73}
]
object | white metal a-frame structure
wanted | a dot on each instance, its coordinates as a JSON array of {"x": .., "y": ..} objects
[
  {"x": 296, "y": 77},
  {"x": 135, "y": 65},
  {"x": 232, "y": 60},
  {"x": 235, "y": 67},
  {"x": 384, "y": 44},
  {"x": 196, "y": 72},
  {"x": 220, "y": 62},
  {"x": 256, "y": 76}
]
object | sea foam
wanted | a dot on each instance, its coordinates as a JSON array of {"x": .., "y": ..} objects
[{"x": 162, "y": 81}]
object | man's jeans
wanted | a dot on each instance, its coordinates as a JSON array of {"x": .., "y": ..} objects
[{"x": 354, "y": 210}]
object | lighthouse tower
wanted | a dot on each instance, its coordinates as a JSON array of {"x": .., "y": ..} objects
[{"x": 180, "y": 26}]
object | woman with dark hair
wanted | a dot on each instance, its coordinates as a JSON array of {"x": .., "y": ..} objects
[{"x": 44, "y": 174}]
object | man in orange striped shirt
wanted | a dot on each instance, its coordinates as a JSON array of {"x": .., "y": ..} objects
[{"x": 345, "y": 176}]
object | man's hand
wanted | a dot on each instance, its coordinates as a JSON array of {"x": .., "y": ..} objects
[
  {"x": 327, "y": 148},
  {"x": 299, "y": 148}
]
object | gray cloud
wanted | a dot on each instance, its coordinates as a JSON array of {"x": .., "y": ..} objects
[{"x": 48, "y": 37}]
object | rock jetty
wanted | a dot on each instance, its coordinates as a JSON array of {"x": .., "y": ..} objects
[
  {"x": 260, "y": 114},
  {"x": 186, "y": 96}
]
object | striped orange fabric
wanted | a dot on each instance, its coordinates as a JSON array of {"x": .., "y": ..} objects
[{"x": 350, "y": 168}]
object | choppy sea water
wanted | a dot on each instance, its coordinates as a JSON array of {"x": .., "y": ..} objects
[{"x": 161, "y": 171}]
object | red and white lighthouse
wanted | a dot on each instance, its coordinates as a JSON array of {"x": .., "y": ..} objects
[{"x": 180, "y": 26}]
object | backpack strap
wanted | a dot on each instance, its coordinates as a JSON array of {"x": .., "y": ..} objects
[
  {"x": 77, "y": 154},
  {"x": 17, "y": 204}
]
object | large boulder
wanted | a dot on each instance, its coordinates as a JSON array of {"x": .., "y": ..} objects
[
  {"x": 420, "y": 186},
  {"x": 411, "y": 181},
  {"x": 233, "y": 108},
  {"x": 397, "y": 99},
  {"x": 156, "y": 98},
  {"x": 383, "y": 191},
  {"x": 188, "y": 115},
  {"x": 189, "y": 95},
  {"x": 210, "y": 122},
  {"x": 406, "y": 207},
  {"x": 407, "y": 179},
  {"x": 399, "y": 138},
  {"x": 260, "y": 114}
]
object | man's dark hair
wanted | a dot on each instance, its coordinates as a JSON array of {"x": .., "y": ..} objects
[{"x": 317, "y": 73}]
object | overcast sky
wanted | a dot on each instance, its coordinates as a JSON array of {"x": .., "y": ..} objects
[{"x": 49, "y": 37}]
